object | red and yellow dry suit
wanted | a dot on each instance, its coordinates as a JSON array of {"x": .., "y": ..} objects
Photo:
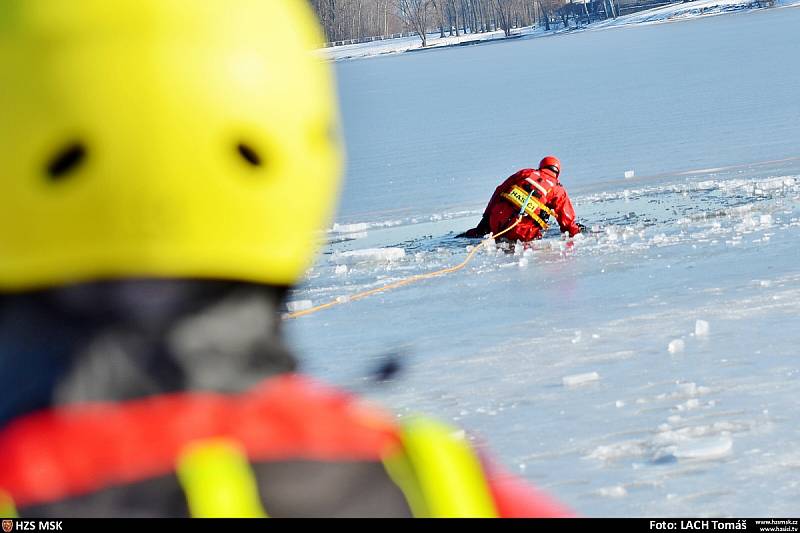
[
  {"x": 287, "y": 447},
  {"x": 549, "y": 198}
]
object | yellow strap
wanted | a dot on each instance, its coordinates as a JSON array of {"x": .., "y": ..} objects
[
  {"x": 518, "y": 197},
  {"x": 401, "y": 472},
  {"x": 218, "y": 481},
  {"x": 439, "y": 474},
  {"x": 7, "y": 509}
]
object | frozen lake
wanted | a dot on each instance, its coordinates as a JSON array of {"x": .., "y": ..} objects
[{"x": 650, "y": 368}]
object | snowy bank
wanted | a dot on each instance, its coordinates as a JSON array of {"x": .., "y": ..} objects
[{"x": 670, "y": 13}]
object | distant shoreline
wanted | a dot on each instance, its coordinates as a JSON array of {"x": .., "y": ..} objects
[{"x": 675, "y": 12}]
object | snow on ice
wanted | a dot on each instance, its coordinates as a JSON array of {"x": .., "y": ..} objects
[{"x": 381, "y": 255}]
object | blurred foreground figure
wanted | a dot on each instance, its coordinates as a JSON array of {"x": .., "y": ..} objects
[
  {"x": 541, "y": 195},
  {"x": 166, "y": 165}
]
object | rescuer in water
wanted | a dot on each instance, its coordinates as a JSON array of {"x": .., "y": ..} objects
[{"x": 542, "y": 195}]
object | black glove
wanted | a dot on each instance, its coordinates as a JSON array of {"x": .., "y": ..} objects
[{"x": 479, "y": 231}]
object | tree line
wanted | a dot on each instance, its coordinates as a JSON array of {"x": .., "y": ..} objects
[{"x": 344, "y": 20}]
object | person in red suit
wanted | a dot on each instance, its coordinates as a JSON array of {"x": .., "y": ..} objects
[
  {"x": 167, "y": 167},
  {"x": 543, "y": 197}
]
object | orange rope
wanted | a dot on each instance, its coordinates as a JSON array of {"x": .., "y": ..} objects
[{"x": 402, "y": 282}]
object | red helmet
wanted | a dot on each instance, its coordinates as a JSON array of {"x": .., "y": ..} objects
[{"x": 551, "y": 163}]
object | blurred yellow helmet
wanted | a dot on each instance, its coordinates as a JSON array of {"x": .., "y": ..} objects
[{"x": 162, "y": 138}]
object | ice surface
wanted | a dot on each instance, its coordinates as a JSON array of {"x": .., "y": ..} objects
[
  {"x": 666, "y": 127},
  {"x": 692, "y": 403},
  {"x": 708, "y": 228}
]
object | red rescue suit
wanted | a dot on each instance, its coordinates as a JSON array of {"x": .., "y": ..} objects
[
  {"x": 549, "y": 198},
  {"x": 115, "y": 405},
  {"x": 305, "y": 449}
]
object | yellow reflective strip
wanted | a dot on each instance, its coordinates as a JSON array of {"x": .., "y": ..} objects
[
  {"x": 7, "y": 509},
  {"x": 530, "y": 210},
  {"x": 449, "y": 474},
  {"x": 520, "y": 195},
  {"x": 542, "y": 223},
  {"x": 218, "y": 481},
  {"x": 401, "y": 472},
  {"x": 543, "y": 207},
  {"x": 517, "y": 196}
]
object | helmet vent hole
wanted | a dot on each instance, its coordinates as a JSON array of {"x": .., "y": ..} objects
[
  {"x": 249, "y": 154},
  {"x": 66, "y": 161}
]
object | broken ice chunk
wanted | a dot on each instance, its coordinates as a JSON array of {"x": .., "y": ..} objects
[
  {"x": 349, "y": 228},
  {"x": 368, "y": 255},
  {"x": 580, "y": 379},
  {"x": 676, "y": 345},
  {"x": 704, "y": 449},
  {"x": 617, "y": 491},
  {"x": 299, "y": 305}
]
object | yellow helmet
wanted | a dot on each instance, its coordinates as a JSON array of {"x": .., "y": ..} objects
[{"x": 162, "y": 138}]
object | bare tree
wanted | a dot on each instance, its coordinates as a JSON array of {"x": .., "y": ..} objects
[
  {"x": 359, "y": 20},
  {"x": 439, "y": 7},
  {"x": 506, "y": 11},
  {"x": 452, "y": 15},
  {"x": 614, "y": 8},
  {"x": 549, "y": 9},
  {"x": 415, "y": 13}
]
